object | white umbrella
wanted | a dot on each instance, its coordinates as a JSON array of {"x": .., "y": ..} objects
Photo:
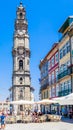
[
  {"x": 58, "y": 98},
  {"x": 65, "y": 100},
  {"x": 68, "y": 100},
  {"x": 22, "y": 102},
  {"x": 70, "y": 96},
  {"x": 46, "y": 101}
]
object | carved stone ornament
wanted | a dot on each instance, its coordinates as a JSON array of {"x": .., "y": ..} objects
[{"x": 20, "y": 50}]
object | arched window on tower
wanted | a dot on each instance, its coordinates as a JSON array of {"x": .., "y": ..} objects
[
  {"x": 21, "y": 64},
  {"x": 21, "y": 80},
  {"x": 21, "y": 94}
]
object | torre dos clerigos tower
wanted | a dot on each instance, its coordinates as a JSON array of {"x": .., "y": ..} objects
[{"x": 21, "y": 58}]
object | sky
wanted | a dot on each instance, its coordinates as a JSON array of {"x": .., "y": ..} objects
[{"x": 45, "y": 17}]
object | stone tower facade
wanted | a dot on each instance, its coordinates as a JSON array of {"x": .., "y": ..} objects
[{"x": 21, "y": 58}]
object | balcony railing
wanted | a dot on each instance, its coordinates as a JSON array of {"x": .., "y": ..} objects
[
  {"x": 69, "y": 71},
  {"x": 64, "y": 92},
  {"x": 49, "y": 83},
  {"x": 44, "y": 86},
  {"x": 63, "y": 74},
  {"x": 53, "y": 81}
]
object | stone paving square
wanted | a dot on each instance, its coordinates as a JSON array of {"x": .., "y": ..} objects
[{"x": 41, "y": 126}]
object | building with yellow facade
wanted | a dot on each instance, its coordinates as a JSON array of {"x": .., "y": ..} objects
[
  {"x": 65, "y": 58},
  {"x": 56, "y": 69}
]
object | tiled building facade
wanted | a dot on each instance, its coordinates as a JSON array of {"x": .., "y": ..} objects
[{"x": 56, "y": 69}]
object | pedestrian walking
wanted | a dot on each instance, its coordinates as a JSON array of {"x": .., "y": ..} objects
[{"x": 3, "y": 124}]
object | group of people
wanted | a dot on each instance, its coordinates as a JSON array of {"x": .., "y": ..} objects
[{"x": 2, "y": 120}]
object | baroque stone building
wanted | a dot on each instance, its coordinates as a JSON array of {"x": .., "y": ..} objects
[{"x": 21, "y": 81}]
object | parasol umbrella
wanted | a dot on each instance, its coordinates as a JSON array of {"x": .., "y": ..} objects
[{"x": 22, "y": 102}]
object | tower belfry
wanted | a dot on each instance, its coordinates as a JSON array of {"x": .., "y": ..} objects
[{"x": 21, "y": 58}]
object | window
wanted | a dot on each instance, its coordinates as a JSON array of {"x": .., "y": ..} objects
[
  {"x": 56, "y": 73},
  {"x": 69, "y": 84},
  {"x": 46, "y": 94},
  {"x": 65, "y": 85},
  {"x": 20, "y": 64},
  {"x": 21, "y": 107},
  {"x": 61, "y": 54},
  {"x": 62, "y": 86},
  {"x": 21, "y": 80},
  {"x": 21, "y": 94},
  {"x": 64, "y": 67},
  {"x": 64, "y": 50},
  {"x": 50, "y": 93},
  {"x": 48, "y": 65},
  {"x": 49, "y": 77},
  {"x": 56, "y": 57},
  {"x": 52, "y": 61},
  {"x": 68, "y": 47},
  {"x": 68, "y": 63},
  {"x": 21, "y": 14},
  {"x": 57, "y": 90},
  {"x": 61, "y": 68},
  {"x": 52, "y": 77},
  {"x": 53, "y": 91}
]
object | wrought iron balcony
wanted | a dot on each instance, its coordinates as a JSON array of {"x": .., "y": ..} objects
[
  {"x": 69, "y": 71},
  {"x": 53, "y": 81},
  {"x": 44, "y": 86},
  {"x": 64, "y": 92},
  {"x": 63, "y": 74}
]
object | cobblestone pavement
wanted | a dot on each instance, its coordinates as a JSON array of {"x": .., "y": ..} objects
[{"x": 41, "y": 126}]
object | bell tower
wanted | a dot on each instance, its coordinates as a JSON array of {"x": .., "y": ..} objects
[{"x": 21, "y": 58}]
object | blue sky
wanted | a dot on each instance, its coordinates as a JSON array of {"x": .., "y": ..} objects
[{"x": 45, "y": 17}]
